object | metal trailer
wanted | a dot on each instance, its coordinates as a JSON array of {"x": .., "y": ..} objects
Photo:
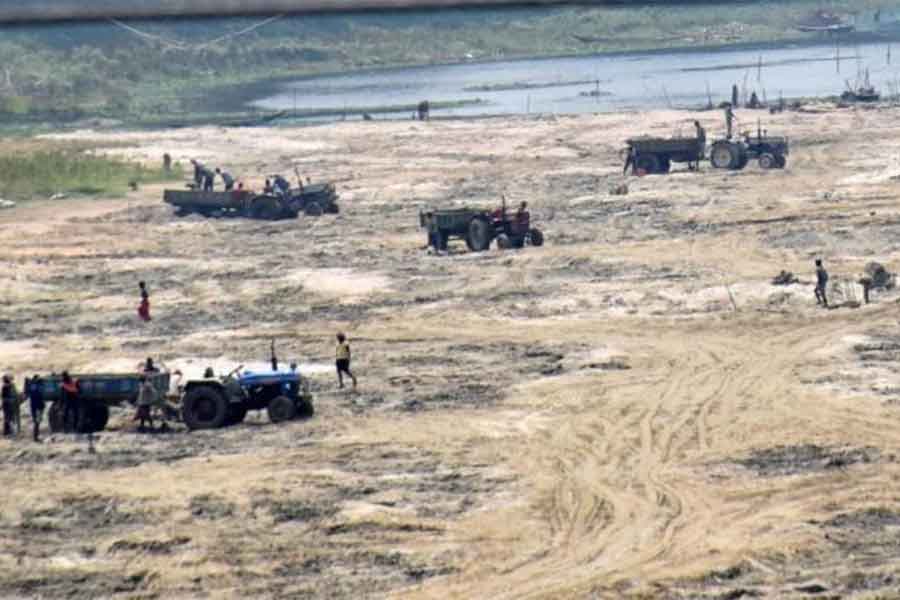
[
  {"x": 98, "y": 392},
  {"x": 656, "y": 155}
]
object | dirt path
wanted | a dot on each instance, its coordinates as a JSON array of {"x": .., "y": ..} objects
[{"x": 633, "y": 410}]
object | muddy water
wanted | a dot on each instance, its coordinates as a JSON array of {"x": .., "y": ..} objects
[{"x": 624, "y": 82}]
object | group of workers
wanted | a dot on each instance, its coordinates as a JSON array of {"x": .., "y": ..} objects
[{"x": 204, "y": 179}]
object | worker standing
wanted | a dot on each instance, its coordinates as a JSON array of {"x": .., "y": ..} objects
[
  {"x": 35, "y": 391},
  {"x": 342, "y": 360},
  {"x": 10, "y": 402},
  {"x": 146, "y": 399},
  {"x": 208, "y": 179},
  {"x": 729, "y": 121},
  {"x": 227, "y": 179},
  {"x": 144, "y": 306},
  {"x": 198, "y": 174},
  {"x": 71, "y": 392},
  {"x": 701, "y": 143},
  {"x": 821, "y": 283}
]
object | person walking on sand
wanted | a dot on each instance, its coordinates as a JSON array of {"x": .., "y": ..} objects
[
  {"x": 35, "y": 391},
  {"x": 144, "y": 306},
  {"x": 10, "y": 401},
  {"x": 821, "y": 283},
  {"x": 146, "y": 399},
  {"x": 342, "y": 360}
]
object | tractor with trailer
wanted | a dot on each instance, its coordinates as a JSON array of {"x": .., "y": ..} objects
[
  {"x": 212, "y": 403},
  {"x": 313, "y": 199},
  {"x": 479, "y": 227},
  {"x": 655, "y": 155},
  {"x": 97, "y": 393}
]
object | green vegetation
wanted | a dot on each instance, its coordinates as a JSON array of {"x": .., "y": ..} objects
[
  {"x": 171, "y": 69},
  {"x": 48, "y": 172}
]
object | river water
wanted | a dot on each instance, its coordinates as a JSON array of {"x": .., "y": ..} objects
[{"x": 626, "y": 81}]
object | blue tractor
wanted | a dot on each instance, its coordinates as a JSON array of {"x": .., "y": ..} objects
[{"x": 211, "y": 403}]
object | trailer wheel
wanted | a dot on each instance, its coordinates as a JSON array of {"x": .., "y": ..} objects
[
  {"x": 725, "y": 155},
  {"x": 665, "y": 165},
  {"x": 55, "y": 418},
  {"x": 537, "y": 237},
  {"x": 95, "y": 418},
  {"x": 480, "y": 234},
  {"x": 503, "y": 242},
  {"x": 313, "y": 209},
  {"x": 204, "y": 407},
  {"x": 305, "y": 408},
  {"x": 281, "y": 408},
  {"x": 649, "y": 163}
]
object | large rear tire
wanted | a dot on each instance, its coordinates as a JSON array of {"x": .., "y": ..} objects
[
  {"x": 204, "y": 407},
  {"x": 537, "y": 237},
  {"x": 265, "y": 207},
  {"x": 281, "y": 409},
  {"x": 725, "y": 155},
  {"x": 480, "y": 234}
]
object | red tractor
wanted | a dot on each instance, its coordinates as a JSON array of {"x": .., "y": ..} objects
[{"x": 480, "y": 227}]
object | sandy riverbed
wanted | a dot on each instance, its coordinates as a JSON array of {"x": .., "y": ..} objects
[{"x": 632, "y": 410}]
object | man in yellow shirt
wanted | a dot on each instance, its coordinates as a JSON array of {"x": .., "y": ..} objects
[{"x": 342, "y": 362}]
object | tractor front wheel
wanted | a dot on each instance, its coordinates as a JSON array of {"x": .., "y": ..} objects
[
  {"x": 537, "y": 237},
  {"x": 767, "y": 161},
  {"x": 281, "y": 409},
  {"x": 305, "y": 408},
  {"x": 313, "y": 209}
]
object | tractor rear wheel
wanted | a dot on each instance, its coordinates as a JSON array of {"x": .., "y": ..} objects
[
  {"x": 648, "y": 163},
  {"x": 480, "y": 234},
  {"x": 313, "y": 209},
  {"x": 204, "y": 407},
  {"x": 725, "y": 155},
  {"x": 537, "y": 237},
  {"x": 265, "y": 207},
  {"x": 766, "y": 161},
  {"x": 281, "y": 408},
  {"x": 503, "y": 242}
]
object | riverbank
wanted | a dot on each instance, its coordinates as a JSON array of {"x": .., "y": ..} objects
[{"x": 144, "y": 72}]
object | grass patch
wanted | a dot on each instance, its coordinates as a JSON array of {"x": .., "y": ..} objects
[{"x": 48, "y": 172}]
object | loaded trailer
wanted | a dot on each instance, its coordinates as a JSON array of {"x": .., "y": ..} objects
[{"x": 98, "y": 392}]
